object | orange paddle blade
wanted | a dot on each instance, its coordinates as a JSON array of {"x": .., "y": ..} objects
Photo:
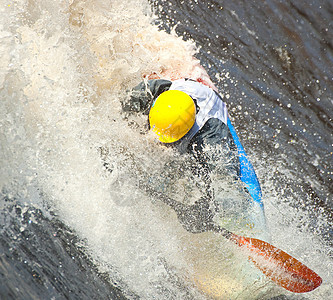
[{"x": 279, "y": 266}]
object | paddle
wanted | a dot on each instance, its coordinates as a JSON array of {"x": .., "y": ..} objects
[{"x": 276, "y": 264}]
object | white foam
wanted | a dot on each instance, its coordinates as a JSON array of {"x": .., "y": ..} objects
[{"x": 64, "y": 68}]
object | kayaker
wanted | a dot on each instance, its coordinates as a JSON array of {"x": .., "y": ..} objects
[{"x": 190, "y": 117}]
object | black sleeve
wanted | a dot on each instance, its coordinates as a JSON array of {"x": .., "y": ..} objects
[{"x": 142, "y": 96}]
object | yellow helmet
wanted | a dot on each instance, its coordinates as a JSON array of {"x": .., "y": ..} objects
[{"x": 172, "y": 115}]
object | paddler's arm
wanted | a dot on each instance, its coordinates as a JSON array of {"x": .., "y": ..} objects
[
  {"x": 142, "y": 96},
  {"x": 194, "y": 218}
]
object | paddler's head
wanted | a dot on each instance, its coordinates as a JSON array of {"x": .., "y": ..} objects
[{"x": 172, "y": 115}]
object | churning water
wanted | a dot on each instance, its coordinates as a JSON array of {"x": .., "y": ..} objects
[{"x": 70, "y": 228}]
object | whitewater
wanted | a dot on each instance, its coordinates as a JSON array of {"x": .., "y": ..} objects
[{"x": 65, "y": 68}]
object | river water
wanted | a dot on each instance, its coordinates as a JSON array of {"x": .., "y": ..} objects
[{"x": 72, "y": 230}]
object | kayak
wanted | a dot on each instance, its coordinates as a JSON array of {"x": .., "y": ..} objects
[{"x": 221, "y": 271}]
